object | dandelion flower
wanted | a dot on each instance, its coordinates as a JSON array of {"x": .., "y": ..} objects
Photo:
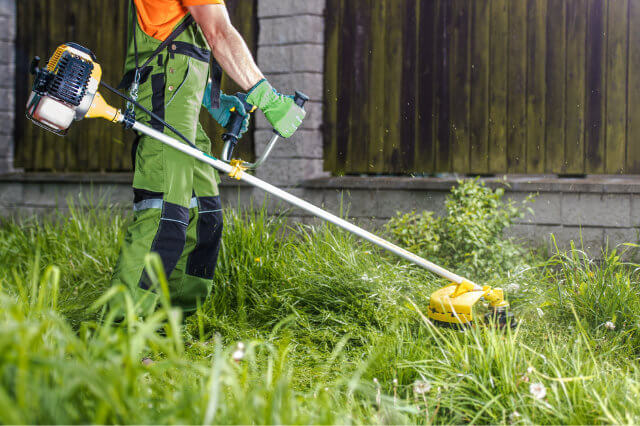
[
  {"x": 609, "y": 325},
  {"x": 537, "y": 390},
  {"x": 421, "y": 387},
  {"x": 238, "y": 355},
  {"x": 513, "y": 287}
]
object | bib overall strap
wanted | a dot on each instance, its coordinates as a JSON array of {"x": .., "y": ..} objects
[{"x": 141, "y": 73}]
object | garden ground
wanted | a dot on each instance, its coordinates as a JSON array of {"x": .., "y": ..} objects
[{"x": 308, "y": 325}]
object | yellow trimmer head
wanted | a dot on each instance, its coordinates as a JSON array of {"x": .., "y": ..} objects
[{"x": 453, "y": 305}]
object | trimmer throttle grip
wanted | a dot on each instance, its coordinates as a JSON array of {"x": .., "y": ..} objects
[{"x": 234, "y": 128}]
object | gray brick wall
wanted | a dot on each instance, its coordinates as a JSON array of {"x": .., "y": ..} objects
[
  {"x": 291, "y": 54},
  {"x": 7, "y": 85}
]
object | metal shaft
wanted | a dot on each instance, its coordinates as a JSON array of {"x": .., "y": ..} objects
[{"x": 304, "y": 205}]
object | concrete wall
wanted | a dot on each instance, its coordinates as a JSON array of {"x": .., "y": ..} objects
[
  {"x": 7, "y": 82},
  {"x": 592, "y": 212}
]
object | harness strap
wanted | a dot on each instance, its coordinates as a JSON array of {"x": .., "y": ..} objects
[{"x": 177, "y": 47}]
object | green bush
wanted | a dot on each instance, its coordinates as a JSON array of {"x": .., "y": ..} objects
[{"x": 469, "y": 238}]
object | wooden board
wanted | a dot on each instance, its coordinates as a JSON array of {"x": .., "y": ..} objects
[
  {"x": 498, "y": 86},
  {"x": 536, "y": 84},
  {"x": 425, "y": 114},
  {"x": 633, "y": 93},
  {"x": 460, "y": 84},
  {"x": 595, "y": 85},
  {"x": 479, "y": 103},
  {"x": 555, "y": 105},
  {"x": 575, "y": 87},
  {"x": 616, "y": 109},
  {"x": 331, "y": 86},
  {"x": 517, "y": 83}
]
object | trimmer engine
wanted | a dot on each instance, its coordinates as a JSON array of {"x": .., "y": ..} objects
[{"x": 65, "y": 90}]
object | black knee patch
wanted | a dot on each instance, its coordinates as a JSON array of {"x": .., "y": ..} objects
[
  {"x": 202, "y": 260},
  {"x": 170, "y": 239}
]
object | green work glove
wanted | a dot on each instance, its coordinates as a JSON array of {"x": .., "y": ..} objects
[
  {"x": 223, "y": 114},
  {"x": 281, "y": 111}
]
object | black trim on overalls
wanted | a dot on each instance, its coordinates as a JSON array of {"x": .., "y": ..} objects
[
  {"x": 202, "y": 260},
  {"x": 157, "y": 100},
  {"x": 169, "y": 240},
  {"x": 188, "y": 49}
]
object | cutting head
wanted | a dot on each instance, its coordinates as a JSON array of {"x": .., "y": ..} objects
[{"x": 454, "y": 305}]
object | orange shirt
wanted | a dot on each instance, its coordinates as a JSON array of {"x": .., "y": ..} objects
[{"x": 158, "y": 18}]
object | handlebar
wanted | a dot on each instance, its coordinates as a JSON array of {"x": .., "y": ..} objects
[{"x": 235, "y": 126}]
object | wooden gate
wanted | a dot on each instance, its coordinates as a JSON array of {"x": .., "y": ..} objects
[
  {"x": 483, "y": 86},
  {"x": 101, "y": 26}
]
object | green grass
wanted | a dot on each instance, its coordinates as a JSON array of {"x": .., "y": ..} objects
[{"x": 333, "y": 333}]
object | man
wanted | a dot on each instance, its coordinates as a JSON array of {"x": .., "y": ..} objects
[{"x": 177, "y": 210}]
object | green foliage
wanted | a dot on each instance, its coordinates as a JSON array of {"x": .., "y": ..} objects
[
  {"x": 320, "y": 316},
  {"x": 603, "y": 293},
  {"x": 469, "y": 238}
]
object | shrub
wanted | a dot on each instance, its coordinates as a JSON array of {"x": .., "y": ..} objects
[{"x": 470, "y": 237}]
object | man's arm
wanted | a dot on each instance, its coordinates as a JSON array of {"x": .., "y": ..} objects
[
  {"x": 227, "y": 44},
  {"x": 234, "y": 57}
]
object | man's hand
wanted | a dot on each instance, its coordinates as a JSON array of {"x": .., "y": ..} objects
[
  {"x": 223, "y": 114},
  {"x": 281, "y": 111}
]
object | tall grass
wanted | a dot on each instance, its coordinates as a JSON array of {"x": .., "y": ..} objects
[{"x": 331, "y": 333}]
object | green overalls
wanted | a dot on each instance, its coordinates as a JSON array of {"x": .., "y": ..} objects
[{"x": 177, "y": 210}]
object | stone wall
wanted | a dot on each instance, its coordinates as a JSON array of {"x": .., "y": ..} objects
[
  {"x": 7, "y": 82},
  {"x": 291, "y": 54},
  {"x": 592, "y": 212}
]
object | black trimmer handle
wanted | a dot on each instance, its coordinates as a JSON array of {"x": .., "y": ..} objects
[{"x": 234, "y": 127}]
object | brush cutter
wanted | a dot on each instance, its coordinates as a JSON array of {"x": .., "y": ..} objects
[{"x": 67, "y": 91}]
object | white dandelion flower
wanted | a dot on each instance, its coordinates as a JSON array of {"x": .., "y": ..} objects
[
  {"x": 513, "y": 287},
  {"x": 238, "y": 355},
  {"x": 421, "y": 387},
  {"x": 537, "y": 390}
]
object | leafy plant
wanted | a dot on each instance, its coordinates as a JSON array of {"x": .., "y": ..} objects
[{"x": 470, "y": 237}]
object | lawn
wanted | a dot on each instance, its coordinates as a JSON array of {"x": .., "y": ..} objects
[{"x": 307, "y": 325}]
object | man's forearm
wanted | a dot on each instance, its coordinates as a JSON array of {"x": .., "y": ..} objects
[
  {"x": 234, "y": 57},
  {"x": 228, "y": 47}
]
